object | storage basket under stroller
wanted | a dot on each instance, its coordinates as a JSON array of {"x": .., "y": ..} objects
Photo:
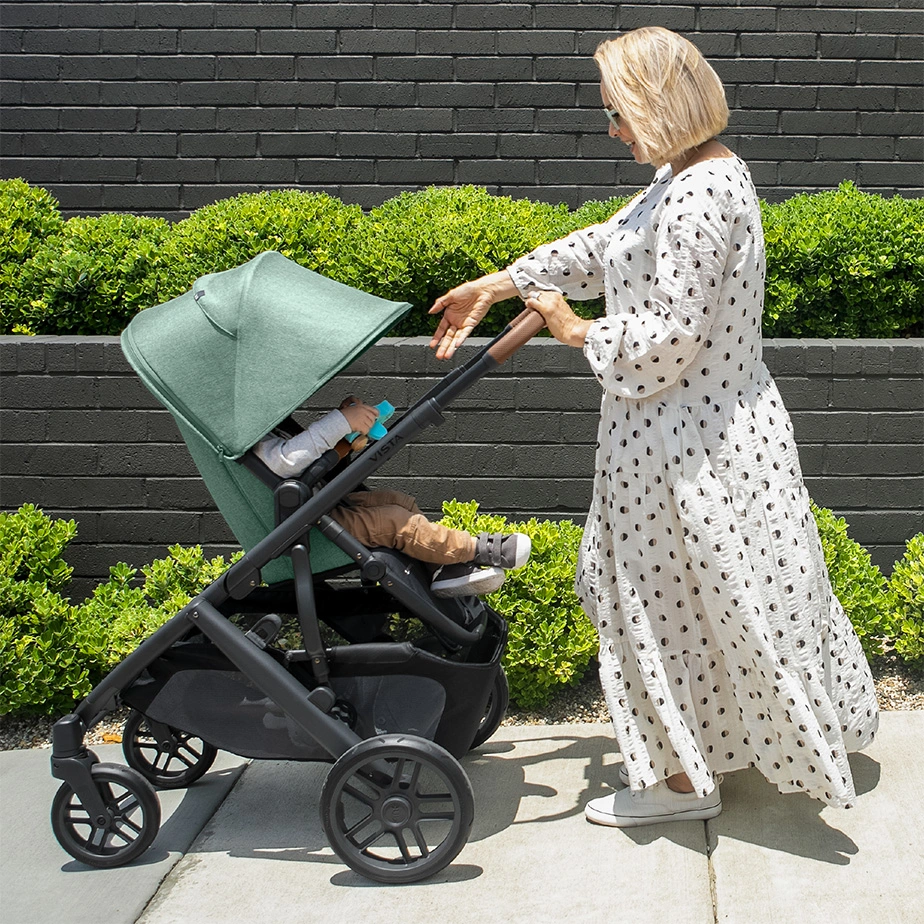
[{"x": 232, "y": 359}]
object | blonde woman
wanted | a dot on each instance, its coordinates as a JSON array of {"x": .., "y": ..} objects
[{"x": 722, "y": 645}]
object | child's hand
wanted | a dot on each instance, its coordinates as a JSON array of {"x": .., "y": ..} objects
[{"x": 359, "y": 416}]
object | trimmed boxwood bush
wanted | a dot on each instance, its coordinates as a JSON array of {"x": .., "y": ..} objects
[
  {"x": 844, "y": 264},
  {"x": 906, "y": 589},
  {"x": 418, "y": 245},
  {"x": 91, "y": 277},
  {"x": 52, "y": 652},
  {"x": 313, "y": 229},
  {"x": 840, "y": 263},
  {"x": 48, "y": 656},
  {"x": 857, "y": 582},
  {"x": 550, "y": 640},
  {"x": 28, "y": 215}
]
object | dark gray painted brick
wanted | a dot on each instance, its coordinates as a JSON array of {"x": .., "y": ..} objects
[
  {"x": 907, "y": 359},
  {"x": 464, "y": 42},
  {"x": 29, "y": 14},
  {"x": 150, "y": 527},
  {"x": 190, "y": 15},
  {"x": 490, "y": 15},
  {"x": 22, "y": 426},
  {"x": 252, "y": 15},
  {"x": 71, "y": 492},
  {"x": 882, "y": 459},
  {"x": 411, "y": 16},
  {"x": 174, "y": 493}
]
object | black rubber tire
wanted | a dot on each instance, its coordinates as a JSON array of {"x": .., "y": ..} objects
[
  {"x": 187, "y": 759},
  {"x": 129, "y": 828},
  {"x": 387, "y": 786},
  {"x": 495, "y": 710}
]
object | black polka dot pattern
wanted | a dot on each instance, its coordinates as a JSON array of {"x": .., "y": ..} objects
[{"x": 722, "y": 645}]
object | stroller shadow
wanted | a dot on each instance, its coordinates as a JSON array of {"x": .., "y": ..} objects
[
  {"x": 534, "y": 779},
  {"x": 514, "y": 782}
]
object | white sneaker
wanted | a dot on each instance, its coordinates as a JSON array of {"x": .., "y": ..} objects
[{"x": 632, "y": 808}]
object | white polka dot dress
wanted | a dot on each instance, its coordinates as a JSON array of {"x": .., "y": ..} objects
[{"x": 722, "y": 645}]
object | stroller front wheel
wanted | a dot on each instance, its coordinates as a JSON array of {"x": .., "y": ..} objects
[
  {"x": 397, "y": 808},
  {"x": 166, "y": 757},
  {"x": 123, "y": 833}
]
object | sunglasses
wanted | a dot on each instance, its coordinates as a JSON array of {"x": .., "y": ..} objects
[{"x": 613, "y": 116}]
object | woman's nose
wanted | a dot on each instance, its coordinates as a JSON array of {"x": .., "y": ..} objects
[{"x": 613, "y": 131}]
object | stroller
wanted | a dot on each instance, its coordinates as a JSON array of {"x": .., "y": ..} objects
[{"x": 232, "y": 360}]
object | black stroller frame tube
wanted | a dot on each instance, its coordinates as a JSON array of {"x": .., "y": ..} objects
[
  {"x": 280, "y": 686},
  {"x": 100, "y": 699},
  {"x": 71, "y": 761}
]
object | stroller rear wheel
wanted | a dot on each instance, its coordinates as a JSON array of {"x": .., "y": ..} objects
[
  {"x": 166, "y": 757},
  {"x": 397, "y": 808},
  {"x": 495, "y": 710},
  {"x": 123, "y": 833}
]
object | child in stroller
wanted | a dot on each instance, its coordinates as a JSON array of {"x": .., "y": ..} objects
[{"x": 390, "y": 519}]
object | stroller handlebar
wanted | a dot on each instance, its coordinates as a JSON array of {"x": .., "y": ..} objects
[{"x": 524, "y": 327}]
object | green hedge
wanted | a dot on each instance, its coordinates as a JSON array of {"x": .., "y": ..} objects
[
  {"x": 839, "y": 263},
  {"x": 53, "y": 652}
]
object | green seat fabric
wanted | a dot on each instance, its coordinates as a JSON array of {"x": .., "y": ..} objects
[
  {"x": 235, "y": 356},
  {"x": 247, "y": 506}
]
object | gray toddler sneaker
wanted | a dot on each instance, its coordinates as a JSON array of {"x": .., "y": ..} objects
[{"x": 502, "y": 551}]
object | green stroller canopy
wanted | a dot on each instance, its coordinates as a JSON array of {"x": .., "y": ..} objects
[
  {"x": 237, "y": 354},
  {"x": 244, "y": 348}
]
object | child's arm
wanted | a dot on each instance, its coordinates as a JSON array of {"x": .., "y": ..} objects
[{"x": 288, "y": 458}]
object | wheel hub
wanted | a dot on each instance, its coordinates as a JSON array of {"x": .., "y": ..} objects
[{"x": 396, "y": 811}]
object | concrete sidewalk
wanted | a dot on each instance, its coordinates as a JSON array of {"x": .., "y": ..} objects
[{"x": 767, "y": 859}]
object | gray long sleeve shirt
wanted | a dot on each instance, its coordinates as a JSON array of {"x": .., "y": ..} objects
[{"x": 288, "y": 458}]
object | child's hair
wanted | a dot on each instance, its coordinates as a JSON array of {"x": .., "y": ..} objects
[{"x": 668, "y": 92}]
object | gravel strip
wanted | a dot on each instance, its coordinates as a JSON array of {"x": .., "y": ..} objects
[{"x": 898, "y": 686}]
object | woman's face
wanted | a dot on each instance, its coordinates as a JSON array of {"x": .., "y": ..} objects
[{"x": 624, "y": 133}]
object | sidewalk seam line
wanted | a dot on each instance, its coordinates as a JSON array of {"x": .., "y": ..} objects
[{"x": 713, "y": 890}]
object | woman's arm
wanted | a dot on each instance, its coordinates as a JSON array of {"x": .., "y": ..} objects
[{"x": 464, "y": 306}]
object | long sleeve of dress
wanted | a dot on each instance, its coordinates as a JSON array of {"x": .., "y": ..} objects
[
  {"x": 572, "y": 265},
  {"x": 288, "y": 458},
  {"x": 645, "y": 348}
]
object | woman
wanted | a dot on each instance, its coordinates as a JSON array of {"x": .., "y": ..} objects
[{"x": 722, "y": 645}]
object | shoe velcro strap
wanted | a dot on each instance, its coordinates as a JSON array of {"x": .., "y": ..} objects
[{"x": 493, "y": 543}]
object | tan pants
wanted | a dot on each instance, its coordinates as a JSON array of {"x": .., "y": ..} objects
[{"x": 393, "y": 520}]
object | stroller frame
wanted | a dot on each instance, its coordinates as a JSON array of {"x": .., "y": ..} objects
[{"x": 107, "y": 815}]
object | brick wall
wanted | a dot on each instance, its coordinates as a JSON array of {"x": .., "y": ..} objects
[
  {"x": 162, "y": 107},
  {"x": 82, "y": 438}
]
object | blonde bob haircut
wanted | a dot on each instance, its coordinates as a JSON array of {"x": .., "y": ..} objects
[{"x": 666, "y": 90}]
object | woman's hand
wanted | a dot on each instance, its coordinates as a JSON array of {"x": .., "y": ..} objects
[
  {"x": 359, "y": 416},
  {"x": 463, "y": 307},
  {"x": 564, "y": 325}
]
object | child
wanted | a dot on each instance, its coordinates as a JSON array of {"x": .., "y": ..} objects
[{"x": 391, "y": 519}]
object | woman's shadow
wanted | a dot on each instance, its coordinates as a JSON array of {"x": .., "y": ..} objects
[{"x": 755, "y": 811}]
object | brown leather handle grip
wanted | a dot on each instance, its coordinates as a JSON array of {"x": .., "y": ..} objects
[{"x": 525, "y": 325}]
